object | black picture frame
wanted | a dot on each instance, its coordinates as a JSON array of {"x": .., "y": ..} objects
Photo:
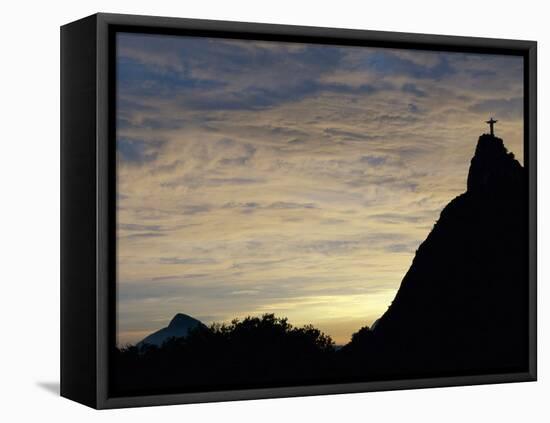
[{"x": 88, "y": 195}]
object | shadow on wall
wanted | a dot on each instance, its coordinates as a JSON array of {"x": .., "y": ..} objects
[{"x": 51, "y": 387}]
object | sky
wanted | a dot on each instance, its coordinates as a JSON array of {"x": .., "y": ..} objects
[{"x": 297, "y": 179}]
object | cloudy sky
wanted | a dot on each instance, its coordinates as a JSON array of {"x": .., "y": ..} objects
[{"x": 295, "y": 179}]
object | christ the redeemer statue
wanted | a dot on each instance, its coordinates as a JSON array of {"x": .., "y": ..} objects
[{"x": 491, "y": 123}]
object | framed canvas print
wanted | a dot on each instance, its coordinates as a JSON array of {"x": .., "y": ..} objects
[{"x": 254, "y": 211}]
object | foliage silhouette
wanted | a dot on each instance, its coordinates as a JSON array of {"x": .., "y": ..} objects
[{"x": 254, "y": 352}]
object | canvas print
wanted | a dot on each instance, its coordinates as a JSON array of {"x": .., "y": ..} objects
[{"x": 294, "y": 214}]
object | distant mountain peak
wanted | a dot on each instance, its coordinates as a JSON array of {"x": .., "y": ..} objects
[
  {"x": 179, "y": 327},
  {"x": 181, "y": 319}
]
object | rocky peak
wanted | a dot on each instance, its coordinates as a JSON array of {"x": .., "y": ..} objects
[{"x": 493, "y": 170}]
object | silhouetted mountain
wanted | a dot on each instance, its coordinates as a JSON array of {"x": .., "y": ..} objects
[
  {"x": 179, "y": 326},
  {"x": 462, "y": 306}
]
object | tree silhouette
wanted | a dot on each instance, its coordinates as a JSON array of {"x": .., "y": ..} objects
[{"x": 255, "y": 351}]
